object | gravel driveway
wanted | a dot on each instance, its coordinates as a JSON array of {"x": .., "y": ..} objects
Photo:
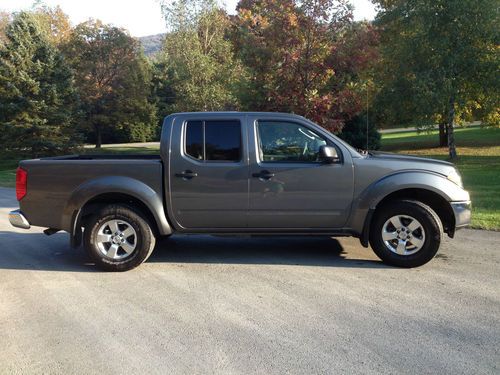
[{"x": 247, "y": 305}]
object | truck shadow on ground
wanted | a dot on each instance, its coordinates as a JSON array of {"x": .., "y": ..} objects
[
  {"x": 300, "y": 251},
  {"x": 35, "y": 251}
]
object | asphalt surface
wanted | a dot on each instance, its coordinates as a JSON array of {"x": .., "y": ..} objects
[{"x": 250, "y": 305}]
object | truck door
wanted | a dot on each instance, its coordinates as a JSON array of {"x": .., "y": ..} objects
[
  {"x": 289, "y": 186},
  {"x": 209, "y": 173}
]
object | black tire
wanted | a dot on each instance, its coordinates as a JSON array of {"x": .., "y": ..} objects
[
  {"x": 144, "y": 239},
  {"x": 430, "y": 222}
]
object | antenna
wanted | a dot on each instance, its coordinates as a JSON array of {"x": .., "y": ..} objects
[{"x": 367, "y": 117}]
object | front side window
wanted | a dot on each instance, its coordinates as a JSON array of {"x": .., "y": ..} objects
[
  {"x": 288, "y": 142},
  {"x": 214, "y": 140}
]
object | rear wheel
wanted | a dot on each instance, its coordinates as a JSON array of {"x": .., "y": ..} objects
[
  {"x": 405, "y": 233},
  {"x": 118, "y": 238}
]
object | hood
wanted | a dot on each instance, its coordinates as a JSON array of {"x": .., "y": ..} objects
[{"x": 407, "y": 158}]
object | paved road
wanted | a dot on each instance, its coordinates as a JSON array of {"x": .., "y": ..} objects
[{"x": 220, "y": 305}]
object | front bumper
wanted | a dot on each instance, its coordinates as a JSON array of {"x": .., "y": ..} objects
[
  {"x": 462, "y": 212},
  {"x": 17, "y": 219}
]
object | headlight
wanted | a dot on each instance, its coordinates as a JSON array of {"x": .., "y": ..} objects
[{"x": 454, "y": 177}]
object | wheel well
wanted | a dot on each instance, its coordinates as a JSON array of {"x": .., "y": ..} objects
[
  {"x": 101, "y": 200},
  {"x": 435, "y": 201}
]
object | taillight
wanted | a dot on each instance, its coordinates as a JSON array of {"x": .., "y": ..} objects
[{"x": 21, "y": 183}]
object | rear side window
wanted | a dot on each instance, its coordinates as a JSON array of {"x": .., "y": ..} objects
[
  {"x": 214, "y": 140},
  {"x": 194, "y": 139}
]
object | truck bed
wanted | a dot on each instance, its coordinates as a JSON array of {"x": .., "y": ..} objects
[{"x": 55, "y": 183}]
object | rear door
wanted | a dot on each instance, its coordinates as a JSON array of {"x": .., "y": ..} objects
[
  {"x": 289, "y": 186},
  {"x": 209, "y": 172}
]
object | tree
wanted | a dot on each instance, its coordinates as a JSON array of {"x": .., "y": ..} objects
[
  {"x": 36, "y": 92},
  {"x": 54, "y": 22},
  {"x": 439, "y": 62},
  {"x": 356, "y": 133},
  {"x": 4, "y": 21},
  {"x": 113, "y": 78},
  {"x": 163, "y": 92},
  {"x": 199, "y": 68},
  {"x": 301, "y": 59}
]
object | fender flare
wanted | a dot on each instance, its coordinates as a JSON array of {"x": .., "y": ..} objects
[
  {"x": 365, "y": 205},
  {"x": 113, "y": 184}
]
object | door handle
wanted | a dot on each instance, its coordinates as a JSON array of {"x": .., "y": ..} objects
[
  {"x": 187, "y": 175},
  {"x": 264, "y": 175}
]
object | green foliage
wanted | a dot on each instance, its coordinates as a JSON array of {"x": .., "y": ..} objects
[
  {"x": 163, "y": 92},
  {"x": 54, "y": 22},
  {"x": 36, "y": 92},
  {"x": 354, "y": 133},
  {"x": 4, "y": 21},
  {"x": 439, "y": 62},
  {"x": 197, "y": 62},
  {"x": 113, "y": 79}
]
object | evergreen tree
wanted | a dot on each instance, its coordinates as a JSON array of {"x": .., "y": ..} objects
[
  {"x": 355, "y": 133},
  {"x": 36, "y": 92}
]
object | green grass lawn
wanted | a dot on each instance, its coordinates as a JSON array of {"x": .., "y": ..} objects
[
  {"x": 122, "y": 150},
  {"x": 8, "y": 173},
  {"x": 478, "y": 161},
  {"x": 465, "y": 137}
]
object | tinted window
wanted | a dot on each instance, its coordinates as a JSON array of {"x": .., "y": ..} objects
[
  {"x": 223, "y": 140},
  {"x": 214, "y": 140},
  {"x": 194, "y": 139},
  {"x": 288, "y": 142}
]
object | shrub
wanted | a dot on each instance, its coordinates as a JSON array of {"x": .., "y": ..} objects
[{"x": 354, "y": 133}]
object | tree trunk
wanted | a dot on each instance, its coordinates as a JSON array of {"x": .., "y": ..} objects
[
  {"x": 98, "y": 137},
  {"x": 451, "y": 136},
  {"x": 443, "y": 134}
]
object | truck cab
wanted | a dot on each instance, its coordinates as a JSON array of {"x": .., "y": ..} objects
[{"x": 255, "y": 172}]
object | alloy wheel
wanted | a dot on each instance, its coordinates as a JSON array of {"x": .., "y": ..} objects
[{"x": 403, "y": 235}]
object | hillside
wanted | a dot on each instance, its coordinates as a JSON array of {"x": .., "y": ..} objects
[{"x": 152, "y": 43}]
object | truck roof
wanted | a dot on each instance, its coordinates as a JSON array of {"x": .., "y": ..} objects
[{"x": 215, "y": 113}]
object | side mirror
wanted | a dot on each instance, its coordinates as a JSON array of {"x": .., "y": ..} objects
[{"x": 329, "y": 154}]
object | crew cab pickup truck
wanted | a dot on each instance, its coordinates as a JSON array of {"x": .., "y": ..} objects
[{"x": 235, "y": 173}]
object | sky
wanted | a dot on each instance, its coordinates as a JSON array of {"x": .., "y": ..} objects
[{"x": 140, "y": 17}]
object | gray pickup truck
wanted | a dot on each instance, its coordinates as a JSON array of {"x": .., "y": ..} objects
[{"x": 235, "y": 173}]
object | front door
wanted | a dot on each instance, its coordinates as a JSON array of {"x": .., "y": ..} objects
[
  {"x": 290, "y": 187},
  {"x": 209, "y": 174}
]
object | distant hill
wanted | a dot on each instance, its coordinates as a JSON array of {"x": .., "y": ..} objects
[{"x": 152, "y": 43}]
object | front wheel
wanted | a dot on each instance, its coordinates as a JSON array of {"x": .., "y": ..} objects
[
  {"x": 405, "y": 233},
  {"x": 118, "y": 238}
]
